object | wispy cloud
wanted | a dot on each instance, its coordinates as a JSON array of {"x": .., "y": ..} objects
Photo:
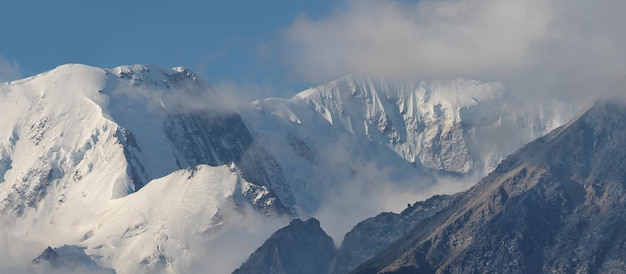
[
  {"x": 16, "y": 251},
  {"x": 366, "y": 197},
  {"x": 232, "y": 246},
  {"x": 9, "y": 70}
]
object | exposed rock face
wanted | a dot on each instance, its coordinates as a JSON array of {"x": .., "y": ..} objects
[
  {"x": 222, "y": 138},
  {"x": 362, "y": 242},
  {"x": 555, "y": 206},
  {"x": 301, "y": 247},
  {"x": 374, "y": 234}
]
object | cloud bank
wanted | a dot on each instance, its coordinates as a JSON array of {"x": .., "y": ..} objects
[{"x": 562, "y": 47}]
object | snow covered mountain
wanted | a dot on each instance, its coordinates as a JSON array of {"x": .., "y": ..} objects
[
  {"x": 405, "y": 133},
  {"x": 77, "y": 123},
  {"x": 458, "y": 126},
  {"x": 145, "y": 170},
  {"x": 116, "y": 161}
]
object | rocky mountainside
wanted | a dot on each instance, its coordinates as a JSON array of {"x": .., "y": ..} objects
[
  {"x": 373, "y": 235},
  {"x": 365, "y": 240},
  {"x": 556, "y": 205},
  {"x": 301, "y": 247}
]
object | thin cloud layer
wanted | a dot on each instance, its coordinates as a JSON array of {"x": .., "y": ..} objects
[
  {"x": 9, "y": 71},
  {"x": 566, "y": 47}
]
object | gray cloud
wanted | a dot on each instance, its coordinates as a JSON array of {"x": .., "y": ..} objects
[
  {"x": 367, "y": 197},
  {"x": 238, "y": 93},
  {"x": 557, "y": 46},
  {"x": 364, "y": 188},
  {"x": 16, "y": 251},
  {"x": 233, "y": 245}
]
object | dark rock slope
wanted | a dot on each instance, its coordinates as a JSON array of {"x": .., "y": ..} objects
[
  {"x": 301, "y": 247},
  {"x": 215, "y": 139},
  {"x": 67, "y": 259},
  {"x": 557, "y": 205},
  {"x": 375, "y": 234}
]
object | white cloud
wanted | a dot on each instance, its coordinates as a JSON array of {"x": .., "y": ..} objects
[
  {"x": 9, "y": 70},
  {"x": 430, "y": 38},
  {"x": 566, "y": 47}
]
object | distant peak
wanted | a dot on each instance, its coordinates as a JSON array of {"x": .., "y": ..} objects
[
  {"x": 73, "y": 68},
  {"x": 144, "y": 70},
  {"x": 312, "y": 222},
  {"x": 181, "y": 69},
  {"x": 47, "y": 256},
  {"x": 157, "y": 75},
  {"x": 455, "y": 91}
]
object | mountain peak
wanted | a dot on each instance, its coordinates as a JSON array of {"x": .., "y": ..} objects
[
  {"x": 459, "y": 92},
  {"x": 300, "y": 247},
  {"x": 157, "y": 75},
  {"x": 67, "y": 259},
  {"x": 311, "y": 223}
]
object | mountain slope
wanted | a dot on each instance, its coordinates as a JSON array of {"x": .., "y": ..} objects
[
  {"x": 556, "y": 205},
  {"x": 300, "y": 247},
  {"x": 374, "y": 234}
]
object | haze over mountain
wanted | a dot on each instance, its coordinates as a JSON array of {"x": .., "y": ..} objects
[{"x": 147, "y": 170}]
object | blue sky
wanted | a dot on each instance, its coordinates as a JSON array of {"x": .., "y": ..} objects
[
  {"x": 279, "y": 47},
  {"x": 221, "y": 40}
]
